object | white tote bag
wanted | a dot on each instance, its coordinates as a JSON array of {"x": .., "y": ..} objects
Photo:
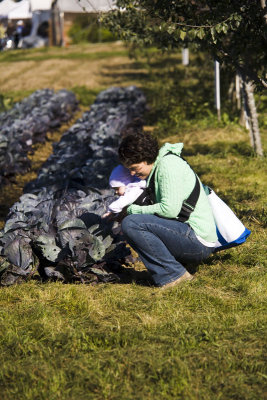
[{"x": 230, "y": 230}]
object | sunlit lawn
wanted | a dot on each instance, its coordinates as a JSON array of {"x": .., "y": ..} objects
[{"x": 203, "y": 340}]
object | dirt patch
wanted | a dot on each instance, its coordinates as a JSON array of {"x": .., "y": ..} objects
[{"x": 62, "y": 73}]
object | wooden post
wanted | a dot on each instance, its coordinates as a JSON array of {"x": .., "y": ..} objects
[
  {"x": 99, "y": 30},
  {"x": 53, "y": 27},
  {"x": 50, "y": 30},
  {"x": 61, "y": 27},
  {"x": 217, "y": 89}
]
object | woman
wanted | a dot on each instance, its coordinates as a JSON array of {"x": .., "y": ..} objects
[{"x": 153, "y": 231}]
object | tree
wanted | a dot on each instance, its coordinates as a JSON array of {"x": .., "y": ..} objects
[{"x": 233, "y": 32}]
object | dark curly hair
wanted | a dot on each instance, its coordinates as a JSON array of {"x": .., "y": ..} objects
[{"x": 136, "y": 148}]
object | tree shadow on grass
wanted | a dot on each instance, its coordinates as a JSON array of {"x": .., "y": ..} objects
[
  {"x": 165, "y": 76},
  {"x": 119, "y": 73},
  {"x": 220, "y": 149}
]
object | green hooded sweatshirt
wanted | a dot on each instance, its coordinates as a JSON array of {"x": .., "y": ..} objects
[{"x": 174, "y": 181}]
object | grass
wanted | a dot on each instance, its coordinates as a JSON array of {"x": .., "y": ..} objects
[
  {"x": 204, "y": 340},
  {"x": 58, "y": 54},
  {"x": 86, "y": 96},
  {"x": 135, "y": 342}
]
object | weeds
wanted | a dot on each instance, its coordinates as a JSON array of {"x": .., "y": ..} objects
[{"x": 85, "y": 96}]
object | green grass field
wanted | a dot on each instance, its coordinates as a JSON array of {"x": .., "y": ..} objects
[{"x": 203, "y": 340}]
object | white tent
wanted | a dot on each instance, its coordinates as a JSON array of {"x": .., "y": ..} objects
[
  {"x": 41, "y": 5},
  {"x": 91, "y": 6},
  {"x": 6, "y": 6},
  {"x": 59, "y": 13},
  {"x": 21, "y": 10},
  {"x": 74, "y": 6}
]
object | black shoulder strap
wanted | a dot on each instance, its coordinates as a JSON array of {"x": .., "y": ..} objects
[
  {"x": 151, "y": 185},
  {"x": 188, "y": 205}
]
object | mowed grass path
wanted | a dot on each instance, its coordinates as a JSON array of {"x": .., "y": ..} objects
[
  {"x": 203, "y": 340},
  {"x": 23, "y": 71}
]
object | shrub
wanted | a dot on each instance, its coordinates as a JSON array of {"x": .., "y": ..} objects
[{"x": 86, "y": 28}]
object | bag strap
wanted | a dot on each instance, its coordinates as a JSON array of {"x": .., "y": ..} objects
[
  {"x": 188, "y": 205},
  {"x": 151, "y": 187}
]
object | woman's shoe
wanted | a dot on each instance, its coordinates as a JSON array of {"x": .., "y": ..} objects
[{"x": 185, "y": 277}]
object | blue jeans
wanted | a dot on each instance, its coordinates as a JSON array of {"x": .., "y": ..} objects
[{"x": 163, "y": 245}]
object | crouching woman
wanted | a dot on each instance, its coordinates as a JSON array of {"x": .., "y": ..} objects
[{"x": 163, "y": 234}]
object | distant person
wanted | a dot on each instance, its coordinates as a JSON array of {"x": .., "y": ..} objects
[
  {"x": 17, "y": 35},
  {"x": 128, "y": 187},
  {"x": 2, "y": 36}
]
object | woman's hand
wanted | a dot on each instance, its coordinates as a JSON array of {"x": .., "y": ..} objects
[{"x": 107, "y": 215}]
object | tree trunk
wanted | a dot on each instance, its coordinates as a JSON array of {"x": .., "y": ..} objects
[
  {"x": 263, "y": 6},
  {"x": 237, "y": 91},
  {"x": 231, "y": 94},
  {"x": 243, "y": 118},
  {"x": 251, "y": 111}
]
